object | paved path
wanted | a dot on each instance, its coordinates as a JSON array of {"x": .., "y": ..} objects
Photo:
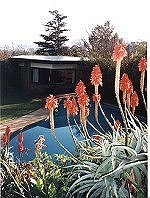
[
  {"x": 25, "y": 120},
  {"x": 30, "y": 118}
]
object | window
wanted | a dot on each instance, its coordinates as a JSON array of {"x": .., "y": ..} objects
[
  {"x": 62, "y": 76},
  {"x": 51, "y": 77},
  {"x": 35, "y": 75}
]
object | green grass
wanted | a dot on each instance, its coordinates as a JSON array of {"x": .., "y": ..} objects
[{"x": 14, "y": 107}]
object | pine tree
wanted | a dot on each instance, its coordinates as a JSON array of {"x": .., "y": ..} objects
[{"x": 54, "y": 40}]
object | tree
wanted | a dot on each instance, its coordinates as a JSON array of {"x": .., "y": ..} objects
[
  {"x": 137, "y": 49},
  {"x": 7, "y": 52},
  {"x": 101, "y": 41},
  {"x": 55, "y": 39}
]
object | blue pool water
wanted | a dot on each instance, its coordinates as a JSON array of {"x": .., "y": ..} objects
[{"x": 32, "y": 132}]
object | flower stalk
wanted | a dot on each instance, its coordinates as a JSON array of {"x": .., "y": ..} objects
[
  {"x": 142, "y": 67},
  {"x": 118, "y": 54},
  {"x": 117, "y": 77}
]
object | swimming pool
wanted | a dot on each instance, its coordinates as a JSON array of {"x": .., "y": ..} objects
[{"x": 32, "y": 132}]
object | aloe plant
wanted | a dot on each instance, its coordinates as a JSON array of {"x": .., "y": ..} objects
[
  {"x": 115, "y": 163},
  {"x": 107, "y": 167}
]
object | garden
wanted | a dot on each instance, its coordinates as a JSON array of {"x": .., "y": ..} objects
[{"x": 111, "y": 163}]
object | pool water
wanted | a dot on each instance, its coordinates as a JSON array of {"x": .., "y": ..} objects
[
  {"x": 31, "y": 134},
  {"x": 63, "y": 134}
]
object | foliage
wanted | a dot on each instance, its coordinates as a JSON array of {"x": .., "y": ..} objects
[
  {"x": 54, "y": 40},
  {"x": 40, "y": 177},
  {"x": 100, "y": 43},
  {"x": 7, "y": 52},
  {"x": 136, "y": 50},
  {"x": 107, "y": 165}
]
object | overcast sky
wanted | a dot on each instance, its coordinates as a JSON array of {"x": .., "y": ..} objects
[{"x": 22, "y": 20}]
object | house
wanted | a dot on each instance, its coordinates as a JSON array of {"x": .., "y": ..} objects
[{"x": 37, "y": 74}]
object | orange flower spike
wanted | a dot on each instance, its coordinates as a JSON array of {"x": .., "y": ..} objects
[
  {"x": 142, "y": 67},
  {"x": 124, "y": 85},
  {"x": 118, "y": 54},
  {"x": 74, "y": 110},
  {"x": 7, "y": 132},
  {"x": 5, "y": 139},
  {"x": 68, "y": 105},
  {"x": 130, "y": 87},
  {"x": 67, "y": 102},
  {"x": 80, "y": 88},
  {"x": 20, "y": 137},
  {"x": 20, "y": 147},
  {"x": 51, "y": 102},
  {"x": 83, "y": 100},
  {"x": 134, "y": 101},
  {"x": 129, "y": 92},
  {"x": 96, "y": 77},
  {"x": 142, "y": 64},
  {"x": 124, "y": 82}
]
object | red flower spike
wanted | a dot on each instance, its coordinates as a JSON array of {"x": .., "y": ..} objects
[
  {"x": 68, "y": 105},
  {"x": 142, "y": 64},
  {"x": 97, "y": 137},
  {"x": 71, "y": 106},
  {"x": 129, "y": 92},
  {"x": 74, "y": 110},
  {"x": 142, "y": 67},
  {"x": 96, "y": 76},
  {"x": 130, "y": 87},
  {"x": 83, "y": 100},
  {"x": 51, "y": 102},
  {"x": 124, "y": 85},
  {"x": 119, "y": 52},
  {"x": 134, "y": 99},
  {"x": 5, "y": 139},
  {"x": 7, "y": 132},
  {"x": 20, "y": 147},
  {"x": 124, "y": 82},
  {"x": 20, "y": 137},
  {"x": 80, "y": 88},
  {"x": 96, "y": 98}
]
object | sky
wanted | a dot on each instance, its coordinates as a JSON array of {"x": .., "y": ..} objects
[{"x": 22, "y": 21}]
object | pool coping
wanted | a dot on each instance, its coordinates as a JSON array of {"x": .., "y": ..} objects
[{"x": 31, "y": 118}]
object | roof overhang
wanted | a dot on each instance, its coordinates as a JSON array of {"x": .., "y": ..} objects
[
  {"x": 54, "y": 66},
  {"x": 50, "y": 59}
]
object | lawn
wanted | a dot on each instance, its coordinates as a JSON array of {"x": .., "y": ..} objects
[{"x": 16, "y": 106}]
